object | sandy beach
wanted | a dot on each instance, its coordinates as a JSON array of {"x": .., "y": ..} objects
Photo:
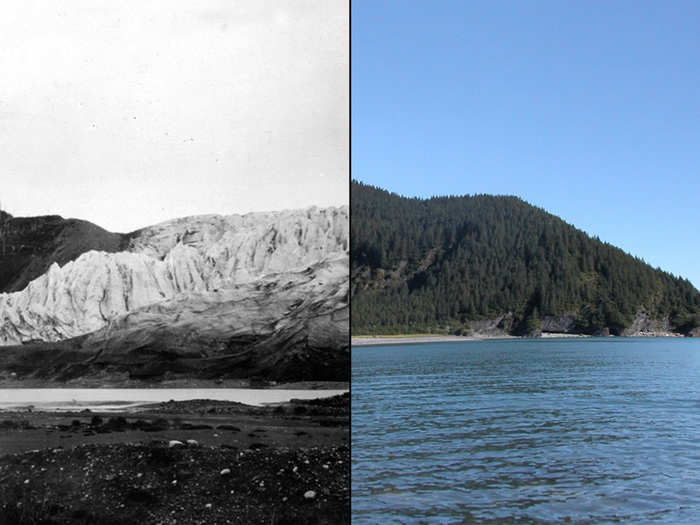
[{"x": 369, "y": 340}]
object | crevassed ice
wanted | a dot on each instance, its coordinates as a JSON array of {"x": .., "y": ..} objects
[{"x": 193, "y": 254}]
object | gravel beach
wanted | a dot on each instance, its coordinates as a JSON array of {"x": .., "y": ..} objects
[{"x": 194, "y": 462}]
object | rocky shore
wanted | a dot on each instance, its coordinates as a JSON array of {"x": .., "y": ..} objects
[
  {"x": 193, "y": 462},
  {"x": 370, "y": 340}
]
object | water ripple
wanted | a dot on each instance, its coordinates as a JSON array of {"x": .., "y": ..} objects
[{"x": 519, "y": 431}]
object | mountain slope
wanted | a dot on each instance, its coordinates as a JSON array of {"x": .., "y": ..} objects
[
  {"x": 473, "y": 262},
  {"x": 30, "y": 245}
]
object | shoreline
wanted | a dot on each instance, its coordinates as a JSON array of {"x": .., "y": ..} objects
[
  {"x": 378, "y": 340},
  {"x": 381, "y": 340}
]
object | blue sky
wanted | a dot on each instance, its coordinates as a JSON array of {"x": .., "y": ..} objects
[{"x": 590, "y": 110}]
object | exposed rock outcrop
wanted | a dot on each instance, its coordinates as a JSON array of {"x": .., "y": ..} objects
[
  {"x": 500, "y": 325},
  {"x": 562, "y": 324},
  {"x": 644, "y": 325}
]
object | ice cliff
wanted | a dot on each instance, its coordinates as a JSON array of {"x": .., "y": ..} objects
[{"x": 190, "y": 264}]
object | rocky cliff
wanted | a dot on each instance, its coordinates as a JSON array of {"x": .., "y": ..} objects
[{"x": 199, "y": 288}]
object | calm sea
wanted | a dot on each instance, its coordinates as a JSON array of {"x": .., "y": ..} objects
[
  {"x": 112, "y": 399},
  {"x": 527, "y": 431}
]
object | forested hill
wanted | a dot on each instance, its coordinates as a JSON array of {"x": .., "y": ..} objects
[{"x": 461, "y": 264}]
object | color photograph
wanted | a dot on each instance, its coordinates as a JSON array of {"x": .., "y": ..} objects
[{"x": 524, "y": 267}]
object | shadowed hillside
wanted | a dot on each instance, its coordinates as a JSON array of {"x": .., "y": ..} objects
[{"x": 32, "y": 244}]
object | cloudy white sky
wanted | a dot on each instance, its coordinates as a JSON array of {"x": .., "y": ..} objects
[{"x": 129, "y": 113}]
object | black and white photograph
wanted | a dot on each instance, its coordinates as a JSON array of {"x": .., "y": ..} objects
[{"x": 174, "y": 262}]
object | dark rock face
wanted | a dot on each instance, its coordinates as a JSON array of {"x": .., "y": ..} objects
[
  {"x": 500, "y": 325},
  {"x": 645, "y": 323},
  {"x": 559, "y": 324},
  {"x": 32, "y": 244}
]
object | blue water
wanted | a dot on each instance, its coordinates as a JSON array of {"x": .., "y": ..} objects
[{"x": 527, "y": 431}]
